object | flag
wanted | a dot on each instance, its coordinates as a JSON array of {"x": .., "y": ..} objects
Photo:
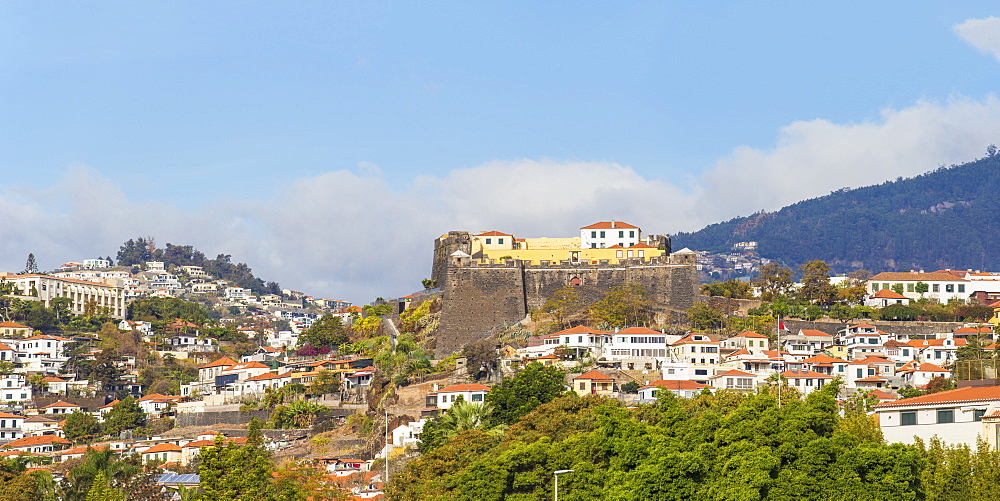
[{"x": 781, "y": 325}]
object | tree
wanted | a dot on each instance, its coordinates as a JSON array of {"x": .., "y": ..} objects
[
  {"x": 816, "y": 285},
  {"x": 481, "y": 357},
  {"x": 622, "y": 306},
  {"x": 897, "y": 288},
  {"x": 125, "y": 415},
  {"x": 703, "y": 316},
  {"x": 461, "y": 416},
  {"x": 730, "y": 288},
  {"x": 101, "y": 490},
  {"x": 81, "y": 426},
  {"x": 518, "y": 395},
  {"x": 326, "y": 332},
  {"x": 234, "y": 472},
  {"x": 773, "y": 280},
  {"x": 30, "y": 266},
  {"x": 563, "y": 303},
  {"x": 854, "y": 290},
  {"x": 921, "y": 288}
]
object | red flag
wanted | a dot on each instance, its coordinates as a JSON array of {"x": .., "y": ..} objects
[{"x": 781, "y": 326}]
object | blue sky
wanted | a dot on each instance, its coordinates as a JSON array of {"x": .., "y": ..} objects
[{"x": 328, "y": 143}]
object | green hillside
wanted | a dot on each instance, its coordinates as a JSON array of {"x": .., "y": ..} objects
[{"x": 947, "y": 218}]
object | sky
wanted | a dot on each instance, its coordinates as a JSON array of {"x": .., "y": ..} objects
[{"x": 328, "y": 143}]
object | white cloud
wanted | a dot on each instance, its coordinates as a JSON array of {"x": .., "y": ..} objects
[
  {"x": 350, "y": 234},
  {"x": 983, "y": 34}
]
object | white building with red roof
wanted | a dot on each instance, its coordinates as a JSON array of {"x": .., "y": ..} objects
[
  {"x": 582, "y": 340},
  {"x": 10, "y": 427},
  {"x": 608, "y": 233},
  {"x": 694, "y": 357},
  {"x": 261, "y": 382},
  {"x": 638, "y": 348},
  {"x": 164, "y": 453},
  {"x": 806, "y": 342},
  {"x": 734, "y": 380},
  {"x": 156, "y": 404},
  {"x": 749, "y": 340},
  {"x": 445, "y": 397},
  {"x": 955, "y": 416},
  {"x": 806, "y": 381},
  {"x": 681, "y": 388},
  {"x": 39, "y": 444},
  {"x": 918, "y": 374},
  {"x": 937, "y": 351},
  {"x": 61, "y": 407},
  {"x": 941, "y": 285},
  {"x": 886, "y": 297}
]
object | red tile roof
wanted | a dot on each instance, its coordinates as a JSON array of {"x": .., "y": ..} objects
[
  {"x": 888, "y": 294},
  {"x": 968, "y": 394},
  {"x": 493, "y": 234},
  {"x": 974, "y": 330},
  {"x": 938, "y": 276},
  {"x": 465, "y": 387},
  {"x": 823, "y": 359},
  {"x": 679, "y": 384},
  {"x": 802, "y": 373},
  {"x": 606, "y": 225},
  {"x": 33, "y": 441},
  {"x": 13, "y": 325},
  {"x": 921, "y": 343},
  {"x": 690, "y": 339},
  {"x": 594, "y": 375},
  {"x": 579, "y": 329},
  {"x": 222, "y": 362},
  {"x": 638, "y": 330},
  {"x": 734, "y": 372},
  {"x": 162, "y": 448},
  {"x": 750, "y": 334},
  {"x": 814, "y": 333},
  {"x": 60, "y": 403}
]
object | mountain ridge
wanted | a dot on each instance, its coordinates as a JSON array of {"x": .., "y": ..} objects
[{"x": 946, "y": 218}]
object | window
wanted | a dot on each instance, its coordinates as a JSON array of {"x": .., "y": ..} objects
[
  {"x": 618, "y": 254},
  {"x": 961, "y": 287},
  {"x": 861, "y": 373},
  {"x": 949, "y": 288},
  {"x": 630, "y": 253},
  {"x": 631, "y": 234},
  {"x": 621, "y": 234},
  {"x": 906, "y": 352},
  {"x": 477, "y": 397},
  {"x": 489, "y": 241},
  {"x": 874, "y": 287},
  {"x": 907, "y": 418},
  {"x": 700, "y": 372},
  {"x": 909, "y": 287},
  {"x": 946, "y": 416},
  {"x": 500, "y": 241},
  {"x": 809, "y": 382},
  {"x": 583, "y": 386},
  {"x": 936, "y": 288},
  {"x": 641, "y": 254},
  {"x": 593, "y": 234},
  {"x": 977, "y": 414},
  {"x": 602, "y": 234}
]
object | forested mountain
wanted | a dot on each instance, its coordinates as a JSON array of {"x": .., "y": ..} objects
[
  {"x": 948, "y": 218},
  {"x": 138, "y": 251}
]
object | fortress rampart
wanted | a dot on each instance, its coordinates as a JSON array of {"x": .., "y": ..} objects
[{"x": 481, "y": 295}]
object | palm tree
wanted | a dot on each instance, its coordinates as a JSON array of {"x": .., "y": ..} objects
[{"x": 464, "y": 416}]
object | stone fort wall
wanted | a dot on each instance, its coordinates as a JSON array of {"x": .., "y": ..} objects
[{"x": 477, "y": 298}]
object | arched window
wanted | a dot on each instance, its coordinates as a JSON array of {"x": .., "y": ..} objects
[{"x": 574, "y": 281}]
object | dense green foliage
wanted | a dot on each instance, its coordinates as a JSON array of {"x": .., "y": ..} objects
[
  {"x": 328, "y": 332},
  {"x": 237, "y": 472},
  {"x": 138, "y": 251},
  {"x": 942, "y": 219},
  {"x": 166, "y": 309},
  {"x": 726, "y": 446},
  {"x": 520, "y": 394},
  {"x": 125, "y": 415}
]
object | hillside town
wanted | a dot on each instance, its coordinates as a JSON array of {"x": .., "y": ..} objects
[{"x": 172, "y": 368}]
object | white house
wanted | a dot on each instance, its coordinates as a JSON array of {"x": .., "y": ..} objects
[
  {"x": 861, "y": 340},
  {"x": 941, "y": 285},
  {"x": 807, "y": 342},
  {"x": 937, "y": 351},
  {"x": 749, "y": 339},
  {"x": 638, "y": 348},
  {"x": 581, "y": 340},
  {"x": 955, "y": 416},
  {"x": 41, "y": 443},
  {"x": 918, "y": 375},
  {"x": 447, "y": 396},
  {"x": 806, "y": 381},
  {"x": 734, "y": 380},
  {"x": 681, "y": 388},
  {"x": 14, "y": 388},
  {"x": 10, "y": 427},
  {"x": 609, "y": 233},
  {"x": 886, "y": 297}
]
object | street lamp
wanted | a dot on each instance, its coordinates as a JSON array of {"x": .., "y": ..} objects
[{"x": 556, "y": 475}]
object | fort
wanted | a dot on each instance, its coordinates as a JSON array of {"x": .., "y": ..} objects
[{"x": 492, "y": 279}]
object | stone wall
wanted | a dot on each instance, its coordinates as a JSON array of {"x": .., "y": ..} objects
[{"x": 478, "y": 298}]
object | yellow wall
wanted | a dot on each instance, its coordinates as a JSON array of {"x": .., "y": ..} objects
[
  {"x": 551, "y": 243},
  {"x": 536, "y": 256}
]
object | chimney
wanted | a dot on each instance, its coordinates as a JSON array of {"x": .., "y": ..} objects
[
  {"x": 612, "y": 223},
  {"x": 436, "y": 387}
]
